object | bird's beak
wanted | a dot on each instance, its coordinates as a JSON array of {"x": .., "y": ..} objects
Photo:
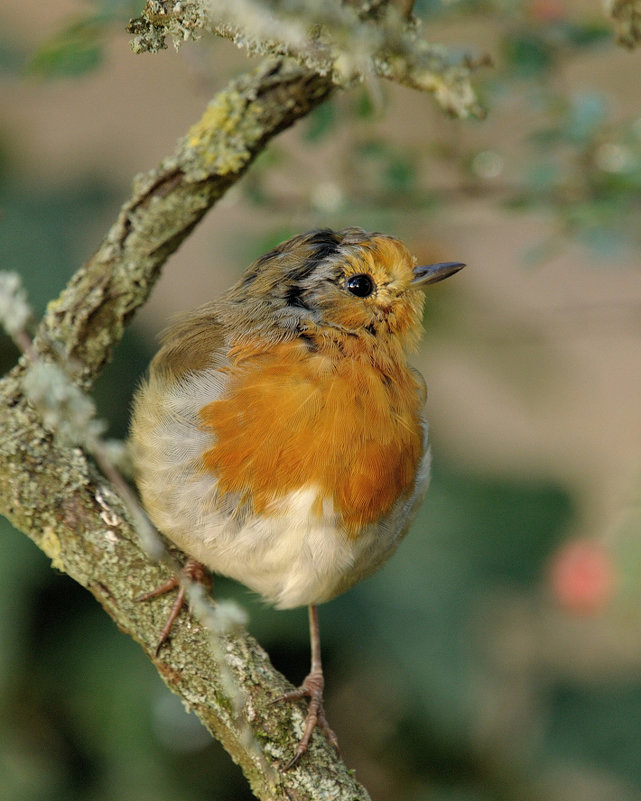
[{"x": 431, "y": 273}]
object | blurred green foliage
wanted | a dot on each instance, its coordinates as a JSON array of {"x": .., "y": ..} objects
[
  {"x": 78, "y": 47},
  {"x": 43, "y": 230},
  {"x": 579, "y": 163}
]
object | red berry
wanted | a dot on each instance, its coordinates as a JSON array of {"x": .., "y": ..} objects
[{"x": 582, "y": 576}]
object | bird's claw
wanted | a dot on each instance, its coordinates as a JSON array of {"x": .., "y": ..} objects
[
  {"x": 311, "y": 687},
  {"x": 192, "y": 569}
]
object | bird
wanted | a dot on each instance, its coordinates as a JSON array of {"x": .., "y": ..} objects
[{"x": 279, "y": 437}]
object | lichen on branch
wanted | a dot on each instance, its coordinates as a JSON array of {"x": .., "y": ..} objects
[
  {"x": 89, "y": 317},
  {"x": 627, "y": 20},
  {"x": 351, "y": 42}
]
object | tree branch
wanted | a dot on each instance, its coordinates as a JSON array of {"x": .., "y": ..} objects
[
  {"x": 54, "y": 493},
  {"x": 89, "y": 317},
  {"x": 351, "y": 41},
  {"x": 627, "y": 21}
]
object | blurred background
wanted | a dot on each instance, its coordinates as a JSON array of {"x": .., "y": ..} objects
[{"x": 497, "y": 657}]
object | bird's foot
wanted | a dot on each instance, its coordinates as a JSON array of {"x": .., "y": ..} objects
[
  {"x": 193, "y": 570},
  {"x": 311, "y": 687}
]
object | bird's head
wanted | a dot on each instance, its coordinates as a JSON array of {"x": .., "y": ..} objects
[{"x": 348, "y": 284}]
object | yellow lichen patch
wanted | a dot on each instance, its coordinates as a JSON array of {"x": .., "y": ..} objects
[
  {"x": 216, "y": 118},
  {"x": 50, "y": 544},
  {"x": 211, "y": 135}
]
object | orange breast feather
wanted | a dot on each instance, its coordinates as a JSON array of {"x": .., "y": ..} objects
[{"x": 290, "y": 419}]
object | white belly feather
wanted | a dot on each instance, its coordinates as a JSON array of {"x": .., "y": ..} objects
[{"x": 291, "y": 557}]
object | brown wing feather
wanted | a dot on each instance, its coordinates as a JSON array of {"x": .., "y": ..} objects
[{"x": 190, "y": 343}]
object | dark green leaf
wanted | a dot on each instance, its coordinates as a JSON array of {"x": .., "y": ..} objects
[
  {"x": 67, "y": 56},
  {"x": 587, "y": 34},
  {"x": 320, "y": 122},
  {"x": 528, "y": 54}
]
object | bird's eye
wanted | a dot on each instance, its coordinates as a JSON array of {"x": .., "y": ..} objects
[{"x": 361, "y": 285}]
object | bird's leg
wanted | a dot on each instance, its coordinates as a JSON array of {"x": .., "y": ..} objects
[
  {"x": 193, "y": 570},
  {"x": 312, "y": 687}
]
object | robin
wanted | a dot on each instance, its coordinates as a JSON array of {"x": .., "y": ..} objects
[{"x": 279, "y": 438}]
